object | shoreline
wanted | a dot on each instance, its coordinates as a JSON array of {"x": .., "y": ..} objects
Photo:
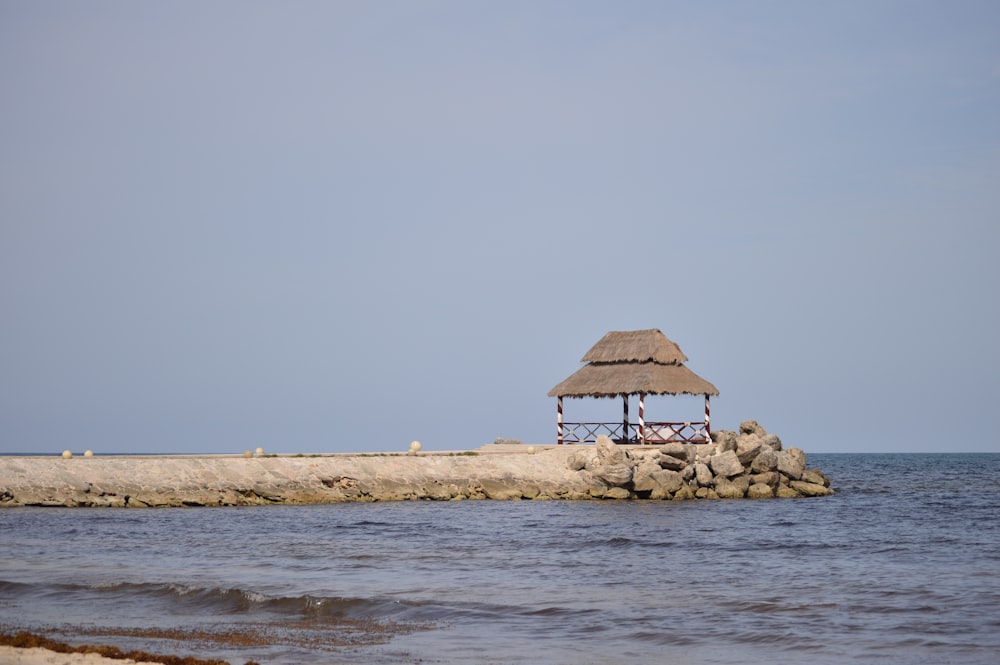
[
  {"x": 748, "y": 464},
  {"x": 41, "y": 656},
  {"x": 27, "y": 648}
]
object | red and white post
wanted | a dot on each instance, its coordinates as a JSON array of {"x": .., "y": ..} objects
[
  {"x": 708, "y": 422},
  {"x": 625, "y": 422},
  {"x": 559, "y": 439},
  {"x": 642, "y": 419}
]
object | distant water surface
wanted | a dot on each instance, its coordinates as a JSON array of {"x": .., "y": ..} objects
[{"x": 901, "y": 566}]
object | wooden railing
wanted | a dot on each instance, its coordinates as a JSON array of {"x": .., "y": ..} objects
[
  {"x": 661, "y": 432},
  {"x": 655, "y": 432},
  {"x": 588, "y": 432}
]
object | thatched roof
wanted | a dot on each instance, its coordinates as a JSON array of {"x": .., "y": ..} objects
[
  {"x": 635, "y": 345},
  {"x": 632, "y": 362}
]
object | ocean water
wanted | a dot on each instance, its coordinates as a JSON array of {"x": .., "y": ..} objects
[{"x": 902, "y": 565}]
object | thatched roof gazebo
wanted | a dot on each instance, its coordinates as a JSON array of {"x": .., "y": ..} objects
[{"x": 634, "y": 362}]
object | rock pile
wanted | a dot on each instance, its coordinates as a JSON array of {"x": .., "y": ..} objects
[{"x": 747, "y": 464}]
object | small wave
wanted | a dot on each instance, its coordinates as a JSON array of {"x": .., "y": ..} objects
[
  {"x": 211, "y": 600},
  {"x": 554, "y": 611},
  {"x": 671, "y": 638}
]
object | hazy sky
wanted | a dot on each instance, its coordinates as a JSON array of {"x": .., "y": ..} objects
[{"x": 336, "y": 226}]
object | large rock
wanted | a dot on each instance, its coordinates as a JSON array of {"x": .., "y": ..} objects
[
  {"x": 608, "y": 451},
  {"x": 672, "y": 463},
  {"x": 727, "y": 489},
  {"x": 790, "y": 464},
  {"x": 642, "y": 477},
  {"x": 769, "y": 478},
  {"x": 578, "y": 459},
  {"x": 615, "y": 475},
  {"x": 786, "y": 492},
  {"x": 760, "y": 491},
  {"x": 815, "y": 476},
  {"x": 702, "y": 451},
  {"x": 595, "y": 487},
  {"x": 747, "y": 448},
  {"x": 662, "y": 481},
  {"x": 617, "y": 493},
  {"x": 766, "y": 460},
  {"x": 809, "y": 489},
  {"x": 675, "y": 449},
  {"x": 667, "y": 480},
  {"x": 742, "y": 482},
  {"x": 703, "y": 475},
  {"x": 612, "y": 464},
  {"x": 724, "y": 439},
  {"x": 752, "y": 427},
  {"x": 683, "y": 494},
  {"x": 705, "y": 493},
  {"x": 726, "y": 464},
  {"x": 773, "y": 442}
]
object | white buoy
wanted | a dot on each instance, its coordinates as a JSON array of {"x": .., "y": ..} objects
[
  {"x": 67, "y": 454},
  {"x": 260, "y": 452},
  {"x": 88, "y": 453},
  {"x": 415, "y": 447},
  {"x": 531, "y": 450}
]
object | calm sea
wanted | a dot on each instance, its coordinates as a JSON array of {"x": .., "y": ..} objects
[{"x": 901, "y": 566}]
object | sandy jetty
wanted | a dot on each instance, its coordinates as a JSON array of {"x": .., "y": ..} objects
[{"x": 749, "y": 463}]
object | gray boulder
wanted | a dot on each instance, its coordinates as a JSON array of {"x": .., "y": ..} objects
[
  {"x": 642, "y": 477},
  {"x": 675, "y": 449},
  {"x": 773, "y": 442},
  {"x": 789, "y": 464},
  {"x": 815, "y": 476},
  {"x": 752, "y": 427},
  {"x": 799, "y": 455},
  {"x": 726, "y": 464},
  {"x": 760, "y": 491},
  {"x": 668, "y": 481},
  {"x": 608, "y": 451},
  {"x": 684, "y": 493},
  {"x": 672, "y": 463},
  {"x": 742, "y": 482},
  {"x": 702, "y": 451},
  {"x": 612, "y": 464},
  {"x": 769, "y": 478},
  {"x": 724, "y": 439},
  {"x": 615, "y": 475},
  {"x": 617, "y": 493},
  {"x": 706, "y": 493},
  {"x": 809, "y": 489},
  {"x": 786, "y": 492},
  {"x": 766, "y": 460},
  {"x": 703, "y": 475},
  {"x": 578, "y": 459},
  {"x": 747, "y": 448},
  {"x": 727, "y": 489}
]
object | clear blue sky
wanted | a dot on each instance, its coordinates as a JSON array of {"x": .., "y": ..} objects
[{"x": 336, "y": 226}]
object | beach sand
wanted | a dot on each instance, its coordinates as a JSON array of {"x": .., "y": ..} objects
[{"x": 39, "y": 656}]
